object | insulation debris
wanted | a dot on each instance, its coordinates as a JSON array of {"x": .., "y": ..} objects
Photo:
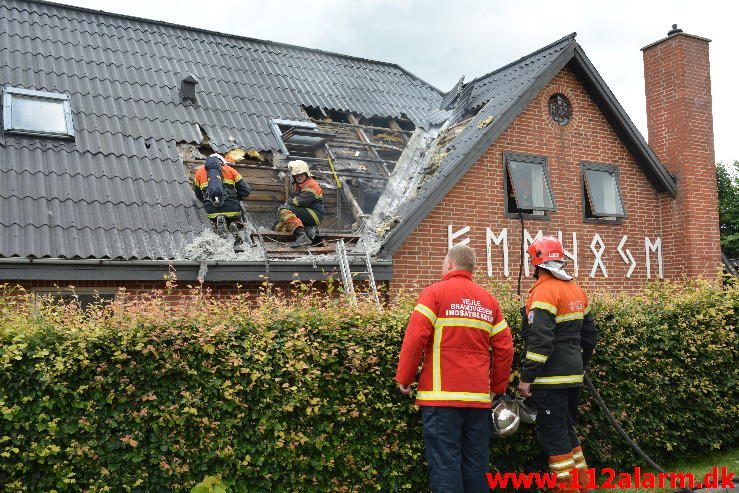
[
  {"x": 485, "y": 122},
  {"x": 208, "y": 246},
  {"x": 239, "y": 155}
]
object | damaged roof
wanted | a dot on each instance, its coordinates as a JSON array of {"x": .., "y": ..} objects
[
  {"x": 501, "y": 96},
  {"x": 119, "y": 189}
]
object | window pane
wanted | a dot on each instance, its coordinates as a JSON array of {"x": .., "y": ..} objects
[
  {"x": 85, "y": 300},
  {"x": 41, "y": 115},
  {"x": 603, "y": 193},
  {"x": 530, "y": 186}
]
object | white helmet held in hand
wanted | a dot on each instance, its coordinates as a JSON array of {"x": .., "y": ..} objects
[{"x": 505, "y": 417}]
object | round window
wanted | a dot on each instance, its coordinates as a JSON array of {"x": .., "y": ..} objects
[{"x": 560, "y": 109}]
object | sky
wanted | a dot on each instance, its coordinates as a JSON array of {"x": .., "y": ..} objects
[{"x": 441, "y": 40}]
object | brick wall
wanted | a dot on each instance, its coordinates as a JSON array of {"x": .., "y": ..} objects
[
  {"x": 477, "y": 200},
  {"x": 680, "y": 120}
]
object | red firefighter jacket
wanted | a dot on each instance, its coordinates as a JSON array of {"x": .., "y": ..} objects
[{"x": 460, "y": 331}]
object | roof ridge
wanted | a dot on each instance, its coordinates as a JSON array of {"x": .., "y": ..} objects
[
  {"x": 569, "y": 37},
  {"x": 234, "y": 36}
]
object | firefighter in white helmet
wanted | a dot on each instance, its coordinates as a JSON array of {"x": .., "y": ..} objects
[{"x": 304, "y": 207}]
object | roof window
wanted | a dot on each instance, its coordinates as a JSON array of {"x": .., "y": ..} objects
[
  {"x": 527, "y": 185},
  {"x": 41, "y": 113},
  {"x": 602, "y": 192},
  {"x": 299, "y": 139}
]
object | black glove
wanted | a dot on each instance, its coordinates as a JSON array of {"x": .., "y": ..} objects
[
  {"x": 587, "y": 353},
  {"x": 524, "y": 319}
]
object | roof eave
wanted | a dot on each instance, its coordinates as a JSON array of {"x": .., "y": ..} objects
[
  {"x": 397, "y": 236},
  {"x": 24, "y": 269},
  {"x": 619, "y": 119}
]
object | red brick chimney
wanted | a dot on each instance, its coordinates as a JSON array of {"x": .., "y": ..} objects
[{"x": 677, "y": 79}]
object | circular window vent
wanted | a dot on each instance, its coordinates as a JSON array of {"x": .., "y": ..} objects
[{"x": 560, "y": 109}]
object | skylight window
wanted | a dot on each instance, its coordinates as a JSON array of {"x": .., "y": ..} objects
[
  {"x": 527, "y": 185},
  {"x": 602, "y": 192},
  {"x": 299, "y": 138},
  {"x": 37, "y": 112}
]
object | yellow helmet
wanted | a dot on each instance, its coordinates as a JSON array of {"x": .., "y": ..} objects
[{"x": 298, "y": 168}]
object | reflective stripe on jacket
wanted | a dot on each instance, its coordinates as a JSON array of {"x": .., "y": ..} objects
[
  {"x": 459, "y": 330},
  {"x": 308, "y": 194},
  {"x": 559, "y": 332},
  {"x": 234, "y": 186}
]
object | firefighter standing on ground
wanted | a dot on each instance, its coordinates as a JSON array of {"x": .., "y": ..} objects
[
  {"x": 304, "y": 208},
  {"x": 560, "y": 338},
  {"x": 459, "y": 330}
]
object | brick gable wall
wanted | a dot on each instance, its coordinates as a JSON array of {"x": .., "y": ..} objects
[{"x": 477, "y": 200}]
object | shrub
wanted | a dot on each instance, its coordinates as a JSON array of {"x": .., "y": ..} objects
[{"x": 299, "y": 396}]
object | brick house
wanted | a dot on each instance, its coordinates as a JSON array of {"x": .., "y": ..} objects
[{"x": 96, "y": 194}]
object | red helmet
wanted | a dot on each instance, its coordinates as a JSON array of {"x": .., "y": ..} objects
[{"x": 546, "y": 248}]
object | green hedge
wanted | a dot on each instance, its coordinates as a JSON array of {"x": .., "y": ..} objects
[{"x": 299, "y": 396}]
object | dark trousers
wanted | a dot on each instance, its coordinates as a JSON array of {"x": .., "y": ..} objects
[
  {"x": 457, "y": 441},
  {"x": 555, "y": 422}
]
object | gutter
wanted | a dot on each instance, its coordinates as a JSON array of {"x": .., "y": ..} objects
[{"x": 60, "y": 269}]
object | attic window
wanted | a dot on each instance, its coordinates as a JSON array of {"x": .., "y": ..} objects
[
  {"x": 46, "y": 114},
  {"x": 602, "y": 192},
  {"x": 560, "y": 109},
  {"x": 527, "y": 185},
  {"x": 299, "y": 138}
]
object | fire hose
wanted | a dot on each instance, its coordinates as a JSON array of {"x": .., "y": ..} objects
[{"x": 589, "y": 384}]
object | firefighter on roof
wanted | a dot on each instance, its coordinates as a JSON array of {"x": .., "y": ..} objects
[
  {"x": 221, "y": 188},
  {"x": 458, "y": 329},
  {"x": 303, "y": 211},
  {"x": 560, "y": 338}
]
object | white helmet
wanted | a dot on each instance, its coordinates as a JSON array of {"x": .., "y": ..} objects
[
  {"x": 508, "y": 413},
  {"x": 505, "y": 417},
  {"x": 298, "y": 168}
]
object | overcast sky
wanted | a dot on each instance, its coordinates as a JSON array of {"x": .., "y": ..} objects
[{"x": 440, "y": 40}]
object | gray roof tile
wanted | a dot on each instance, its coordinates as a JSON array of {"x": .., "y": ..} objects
[{"x": 119, "y": 190}]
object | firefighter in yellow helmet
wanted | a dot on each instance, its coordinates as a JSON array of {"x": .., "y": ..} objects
[{"x": 303, "y": 210}]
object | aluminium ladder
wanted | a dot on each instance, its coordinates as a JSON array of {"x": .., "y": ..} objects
[{"x": 346, "y": 274}]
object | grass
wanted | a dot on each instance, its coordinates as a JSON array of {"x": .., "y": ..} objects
[{"x": 699, "y": 466}]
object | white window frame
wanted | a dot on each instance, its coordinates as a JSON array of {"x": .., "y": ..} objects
[
  {"x": 10, "y": 92},
  {"x": 275, "y": 124}
]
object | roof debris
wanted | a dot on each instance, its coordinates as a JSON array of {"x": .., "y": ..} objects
[
  {"x": 208, "y": 246},
  {"x": 485, "y": 122}
]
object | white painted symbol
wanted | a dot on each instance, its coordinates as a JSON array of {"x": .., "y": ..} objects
[
  {"x": 572, "y": 255},
  {"x": 490, "y": 238},
  {"x": 655, "y": 247},
  {"x": 598, "y": 256},
  {"x": 453, "y": 235},
  {"x": 626, "y": 256}
]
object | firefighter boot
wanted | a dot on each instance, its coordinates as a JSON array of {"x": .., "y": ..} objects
[
  {"x": 560, "y": 467},
  {"x": 582, "y": 468},
  {"x": 301, "y": 239},
  {"x": 312, "y": 232},
  {"x": 220, "y": 228},
  {"x": 238, "y": 240}
]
